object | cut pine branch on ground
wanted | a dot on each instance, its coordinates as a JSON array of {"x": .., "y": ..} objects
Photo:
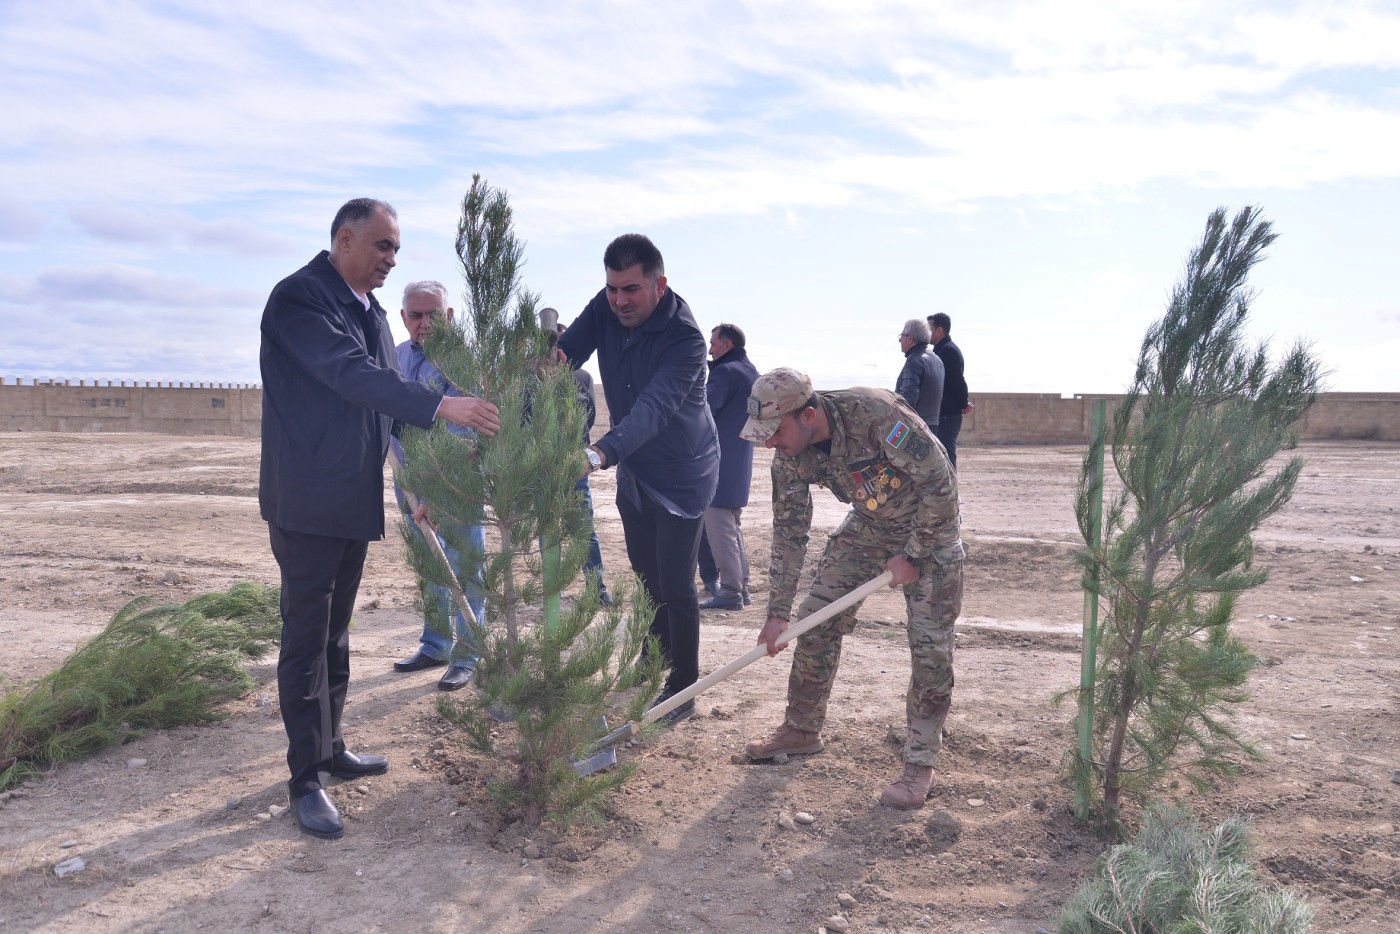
[{"x": 153, "y": 666}]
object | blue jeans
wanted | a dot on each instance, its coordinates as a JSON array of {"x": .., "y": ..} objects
[
  {"x": 594, "y": 563},
  {"x": 439, "y": 645}
]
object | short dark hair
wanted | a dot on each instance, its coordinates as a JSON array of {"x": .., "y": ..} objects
[
  {"x": 940, "y": 320},
  {"x": 632, "y": 249},
  {"x": 357, "y": 210},
  {"x": 731, "y": 333}
]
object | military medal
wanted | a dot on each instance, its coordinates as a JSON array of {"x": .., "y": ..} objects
[
  {"x": 894, "y": 483},
  {"x": 872, "y": 503},
  {"x": 883, "y": 497}
]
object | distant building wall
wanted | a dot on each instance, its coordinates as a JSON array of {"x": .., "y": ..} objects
[
  {"x": 1040, "y": 418},
  {"x": 163, "y": 408},
  {"x": 236, "y": 409}
]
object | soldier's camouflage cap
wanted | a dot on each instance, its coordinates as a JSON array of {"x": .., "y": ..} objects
[{"x": 774, "y": 394}]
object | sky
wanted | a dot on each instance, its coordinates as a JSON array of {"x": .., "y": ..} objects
[{"x": 814, "y": 172}]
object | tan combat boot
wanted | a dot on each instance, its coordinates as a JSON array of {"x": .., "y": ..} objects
[
  {"x": 910, "y": 789},
  {"x": 785, "y": 740}
]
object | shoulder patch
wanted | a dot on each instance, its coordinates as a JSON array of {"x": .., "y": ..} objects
[
  {"x": 919, "y": 448},
  {"x": 898, "y": 435}
]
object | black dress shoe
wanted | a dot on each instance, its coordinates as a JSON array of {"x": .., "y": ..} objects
[
  {"x": 723, "y": 603},
  {"x": 418, "y": 661},
  {"x": 349, "y": 765},
  {"x": 455, "y": 678},
  {"x": 317, "y": 816},
  {"x": 677, "y": 715}
]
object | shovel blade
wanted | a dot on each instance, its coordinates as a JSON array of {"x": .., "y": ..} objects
[
  {"x": 606, "y": 755},
  {"x": 604, "y": 758}
]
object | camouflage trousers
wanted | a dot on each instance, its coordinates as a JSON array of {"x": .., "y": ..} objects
[{"x": 854, "y": 554}]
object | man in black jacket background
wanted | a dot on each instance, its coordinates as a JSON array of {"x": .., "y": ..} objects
[
  {"x": 955, "y": 403},
  {"x": 332, "y": 391}
]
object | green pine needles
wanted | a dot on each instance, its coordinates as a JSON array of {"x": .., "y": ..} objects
[
  {"x": 1177, "y": 878},
  {"x": 1193, "y": 443},
  {"x": 152, "y": 667},
  {"x": 553, "y": 672}
]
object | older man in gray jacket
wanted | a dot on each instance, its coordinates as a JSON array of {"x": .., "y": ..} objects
[{"x": 921, "y": 381}]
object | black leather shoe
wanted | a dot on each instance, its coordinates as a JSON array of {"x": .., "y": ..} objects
[
  {"x": 350, "y": 765},
  {"x": 605, "y": 598},
  {"x": 747, "y": 599},
  {"x": 418, "y": 661},
  {"x": 723, "y": 603},
  {"x": 317, "y": 816},
  {"x": 455, "y": 678},
  {"x": 677, "y": 715}
]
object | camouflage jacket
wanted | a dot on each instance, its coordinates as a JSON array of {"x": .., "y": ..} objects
[{"x": 887, "y": 464}]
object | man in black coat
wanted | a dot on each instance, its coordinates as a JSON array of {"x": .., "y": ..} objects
[
  {"x": 651, "y": 357},
  {"x": 732, "y": 375},
  {"x": 331, "y": 394},
  {"x": 955, "y": 402}
]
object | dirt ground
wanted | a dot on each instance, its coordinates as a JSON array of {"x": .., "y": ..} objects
[{"x": 693, "y": 844}]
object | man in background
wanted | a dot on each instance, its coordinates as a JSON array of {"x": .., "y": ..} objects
[
  {"x": 955, "y": 401},
  {"x": 331, "y": 394},
  {"x": 424, "y": 302},
  {"x": 651, "y": 357},
  {"x": 727, "y": 392},
  {"x": 921, "y": 380}
]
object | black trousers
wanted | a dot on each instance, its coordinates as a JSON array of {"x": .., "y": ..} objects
[
  {"x": 320, "y": 577},
  {"x": 949, "y": 425},
  {"x": 663, "y": 549}
]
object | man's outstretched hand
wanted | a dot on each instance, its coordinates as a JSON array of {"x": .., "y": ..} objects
[{"x": 471, "y": 412}]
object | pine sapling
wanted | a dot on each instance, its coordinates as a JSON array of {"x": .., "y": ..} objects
[
  {"x": 1193, "y": 443},
  {"x": 554, "y": 674}
]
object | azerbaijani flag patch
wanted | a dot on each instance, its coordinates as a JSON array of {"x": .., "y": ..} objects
[{"x": 898, "y": 435}]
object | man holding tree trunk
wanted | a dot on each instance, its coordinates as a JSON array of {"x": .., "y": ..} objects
[
  {"x": 332, "y": 391},
  {"x": 651, "y": 357}
]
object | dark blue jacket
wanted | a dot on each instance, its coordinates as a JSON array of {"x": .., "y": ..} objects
[
  {"x": 921, "y": 383},
  {"x": 954, "y": 383},
  {"x": 662, "y": 435},
  {"x": 331, "y": 393},
  {"x": 727, "y": 391}
]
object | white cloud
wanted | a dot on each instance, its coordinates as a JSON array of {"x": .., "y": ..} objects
[
  {"x": 116, "y": 284},
  {"x": 125, "y": 224}
]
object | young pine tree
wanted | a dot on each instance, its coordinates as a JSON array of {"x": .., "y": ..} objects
[
  {"x": 1192, "y": 443},
  {"x": 1176, "y": 876},
  {"x": 553, "y": 672}
]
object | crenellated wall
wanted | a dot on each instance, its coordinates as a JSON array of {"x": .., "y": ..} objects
[
  {"x": 236, "y": 409},
  {"x": 163, "y": 408}
]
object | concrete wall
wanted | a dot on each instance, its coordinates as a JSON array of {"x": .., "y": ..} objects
[
  {"x": 95, "y": 405},
  {"x": 236, "y": 409},
  {"x": 1041, "y": 418}
]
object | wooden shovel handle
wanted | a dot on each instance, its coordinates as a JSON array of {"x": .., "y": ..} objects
[
  {"x": 760, "y": 650},
  {"x": 430, "y": 534}
]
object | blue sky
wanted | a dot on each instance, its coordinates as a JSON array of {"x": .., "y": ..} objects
[{"x": 815, "y": 172}]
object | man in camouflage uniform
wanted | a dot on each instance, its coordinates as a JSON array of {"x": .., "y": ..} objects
[{"x": 873, "y": 451}]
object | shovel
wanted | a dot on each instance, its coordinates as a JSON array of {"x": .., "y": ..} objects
[
  {"x": 430, "y": 536},
  {"x": 606, "y": 755}
]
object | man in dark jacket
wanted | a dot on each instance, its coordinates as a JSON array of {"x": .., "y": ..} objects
[
  {"x": 956, "y": 403},
  {"x": 651, "y": 357},
  {"x": 921, "y": 381},
  {"x": 727, "y": 392},
  {"x": 331, "y": 394}
]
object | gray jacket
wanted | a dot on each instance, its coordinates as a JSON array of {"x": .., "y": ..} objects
[{"x": 921, "y": 382}]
